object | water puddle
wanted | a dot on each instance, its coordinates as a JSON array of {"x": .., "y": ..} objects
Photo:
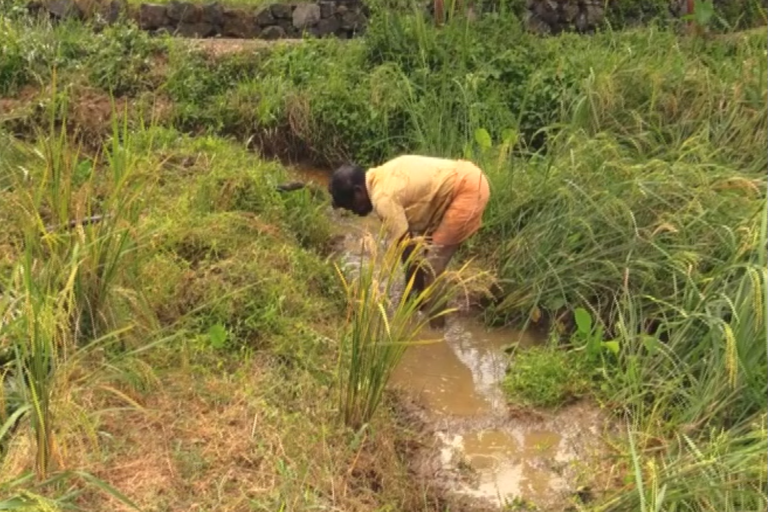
[
  {"x": 456, "y": 377},
  {"x": 458, "y": 374}
]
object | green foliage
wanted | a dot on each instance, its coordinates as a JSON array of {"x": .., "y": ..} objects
[
  {"x": 20, "y": 50},
  {"x": 230, "y": 250},
  {"x": 623, "y": 13},
  {"x": 740, "y": 14},
  {"x": 217, "y": 336},
  {"x": 547, "y": 376},
  {"x": 590, "y": 338},
  {"x": 121, "y": 60}
]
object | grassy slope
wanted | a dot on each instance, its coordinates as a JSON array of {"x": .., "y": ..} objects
[
  {"x": 241, "y": 421},
  {"x": 643, "y": 209}
]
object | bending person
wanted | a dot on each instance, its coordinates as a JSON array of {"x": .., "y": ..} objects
[{"x": 440, "y": 199}]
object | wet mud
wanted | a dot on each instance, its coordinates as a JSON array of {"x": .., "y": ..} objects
[{"x": 538, "y": 460}]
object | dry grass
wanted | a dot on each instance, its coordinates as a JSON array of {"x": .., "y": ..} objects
[{"x": 229, "y": 438}]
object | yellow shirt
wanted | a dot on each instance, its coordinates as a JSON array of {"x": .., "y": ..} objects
[{"x": 411, "y": 193}]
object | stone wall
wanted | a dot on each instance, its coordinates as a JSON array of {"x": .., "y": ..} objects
[
  {"x": 555, "y": 16},
  {"x": 339, "y": 18},
  {"x": 324, "y": 18},
  {"x": 348, "y": 18}
]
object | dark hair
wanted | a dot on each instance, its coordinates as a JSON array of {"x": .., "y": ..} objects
[{"x": 342, "y": 185}]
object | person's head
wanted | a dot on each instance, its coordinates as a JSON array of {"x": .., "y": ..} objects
[{"x": 348, "y": 191}]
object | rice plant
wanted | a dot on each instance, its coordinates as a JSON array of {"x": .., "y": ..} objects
[
  {"x": 86, "y": 208},
  {"x": 381, "y": 323},
  {"x": 67, "y": 298}
]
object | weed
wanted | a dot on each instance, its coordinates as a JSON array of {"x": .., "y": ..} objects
[{"x": 122, "y": 59}]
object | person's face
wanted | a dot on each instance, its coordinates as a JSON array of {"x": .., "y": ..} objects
[{"x": 361, "y": 204}]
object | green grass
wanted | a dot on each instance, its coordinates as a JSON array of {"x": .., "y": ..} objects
[
  {"x": 628, "y": 180},
  {"x": 244, "y": 311},
  {"x": 546, "y": 377}
]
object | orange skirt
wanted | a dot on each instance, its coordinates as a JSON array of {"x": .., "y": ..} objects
[{"x": 464, "y": 216}]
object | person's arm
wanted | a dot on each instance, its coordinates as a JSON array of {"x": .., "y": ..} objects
[{"x": 392, "y": 215}]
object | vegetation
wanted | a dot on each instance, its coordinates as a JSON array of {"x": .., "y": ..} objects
[
  {"x": 380, "y": 324},
  {"x": 628, "y": 215}
]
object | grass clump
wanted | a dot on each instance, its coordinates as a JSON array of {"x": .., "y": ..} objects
[
  {"x": 547, "y": 377},
  {"x": 70, "y": 317},
  {"x": 194, "y": 261},
  {"x": 380, "y": 328}
]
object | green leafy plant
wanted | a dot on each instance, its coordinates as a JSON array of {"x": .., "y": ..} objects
[
  {"x": 217, "y": 336},
  {"x": 590, "y": 338}
]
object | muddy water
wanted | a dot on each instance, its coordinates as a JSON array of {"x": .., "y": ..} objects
[
  {"x": 456, "y": 377},
  {"x": 459, "y": 374}
]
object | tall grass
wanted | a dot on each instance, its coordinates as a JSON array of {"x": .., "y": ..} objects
[
  {"x": 702, "y": 390},
  {"x": 68, "y": 189},
  {"x": 68, "y": 297},
  {"x": 646, "y": 204},
  {"x": 383, "y": 319}
]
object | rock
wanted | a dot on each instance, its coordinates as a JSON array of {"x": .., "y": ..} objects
[
  {"x": 352, "y": 20},
  {"x": 678, "y": 7},
  {"x": 341, "y": 10},
  {"x": 239, "y": 24},
  {"x": 306, "y": 16},
  {"x": 581, "y": 22},
  {"x": 63, "y": 9},
  {"x": 326, "y": 9},
  {"x": 200, "y": 29},
  {"x": 264, "y": 17},
  {"x": 535, "y": 25},
  {"x": 185, "y": 12},
  {"x": 273, "y": 32},
  {"x": 288, "y": 28},
  {"x": 152, "y": 16},
  {"x": 570, "y": 11},
  {"x": 110, "y": 12},
  {"x": 281, "y": 11},
  {"x": 115, "y": 10},
  {"x": 546, "y": 12},
  {"x": 213, "y": 13},
  {"x": 594, "y": 14},
  {"x": 326, "y": 26},
  {"x": 34, "y": 7}
]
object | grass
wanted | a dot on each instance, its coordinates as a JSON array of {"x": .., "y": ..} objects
[
  {"x": 228, "y": 333},
  {"x": 380, "y": 327},
  {"x": 546, "y": 377},
  {"x": 628, "y": 185}
]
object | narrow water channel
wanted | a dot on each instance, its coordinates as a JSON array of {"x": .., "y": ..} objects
[{"x": 457, "y": 379}]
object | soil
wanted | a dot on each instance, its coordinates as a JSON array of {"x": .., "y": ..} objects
[{"x": 217, "y": 47}]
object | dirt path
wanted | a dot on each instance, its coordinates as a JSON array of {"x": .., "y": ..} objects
[{"x": 217, "y": 47}]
